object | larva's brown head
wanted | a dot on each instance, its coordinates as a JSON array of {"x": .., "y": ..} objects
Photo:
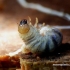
[{"x": 23, "y": 27}]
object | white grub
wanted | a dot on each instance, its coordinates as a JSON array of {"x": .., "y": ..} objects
[
  {"x": 43, "y": 9},
  {"x": 41, "y": 31},
  {"x": 39, "y": 40}
]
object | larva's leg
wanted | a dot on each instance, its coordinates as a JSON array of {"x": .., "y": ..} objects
[
  {"x": 43, "y": 24},
  {"x": 36, "y": 23},
  {"x": 29, "y": 20}
]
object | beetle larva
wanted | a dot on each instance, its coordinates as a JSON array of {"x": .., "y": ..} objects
[{"x": 38, "y": 40}]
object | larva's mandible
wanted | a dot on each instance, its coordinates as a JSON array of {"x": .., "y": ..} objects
[{"x": 38, "y": 40}]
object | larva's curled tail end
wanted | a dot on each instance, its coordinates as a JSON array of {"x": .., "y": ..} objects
[{"x": 23, "y": 27}]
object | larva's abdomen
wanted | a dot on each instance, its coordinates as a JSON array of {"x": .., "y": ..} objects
[{"x": 53, "y": 38}]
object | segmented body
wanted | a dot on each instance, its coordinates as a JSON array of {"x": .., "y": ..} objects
[{"x": 39, "y": 40}]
